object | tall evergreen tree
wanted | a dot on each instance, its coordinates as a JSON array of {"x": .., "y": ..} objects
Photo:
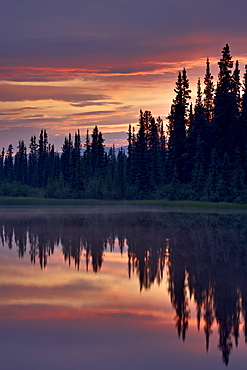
[
  {"x": 178, "y": 120},
  {"x": 87, "y": 158},
  {"x": 142, "y": 180},
  {"x": 200, "y": 130},
  {"x": 76, "y": 165},
  {"x": 237, "y": 83},
  {"x": 225, "y": 107},
  {"x": 208, "y": 93},
  {"x": 153, "y": 157},
  {"x": 20, "y": 165},
  {"x": 131, "y": 160},
  {"x": 243, "y": 121},
  {"x": 111, "y": 164},
  {"x": 66, "y": 159},
  {"x": 162, "y": 151},
  {"x": 43, "y": 159},
  {"x": 33, "y": 162},
  {"x": 8, "y": 164},
  {"x": 97, "y": 152},
  {"x": 120, "y": 180},
  {"x": 2, "y": 165}
]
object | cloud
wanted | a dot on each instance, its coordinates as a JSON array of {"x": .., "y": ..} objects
[
  {"x": 94, "y": 113},
  {"x": 94, "y": 103},
  {"x": 14, "y": 92},
  {"x": 16, "y": 111},
  {"x": 91, "y": 58},
  {"x": 40, "y": 74},
  {"x": 7, "y": 114},
  {"x": 34, "y": 116},
  {"x": 104, "y": 113}
]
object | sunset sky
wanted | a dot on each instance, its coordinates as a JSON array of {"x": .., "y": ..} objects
[{"x": 68, "y": 65}]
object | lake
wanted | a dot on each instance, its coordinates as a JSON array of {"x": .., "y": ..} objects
[{"x": 122, "y": 288}]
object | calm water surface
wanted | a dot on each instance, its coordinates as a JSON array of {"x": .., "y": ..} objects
[{"x": 124, "y": 289}]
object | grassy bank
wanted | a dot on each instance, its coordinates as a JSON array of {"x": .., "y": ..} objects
[{"x": 22, "y": 201}]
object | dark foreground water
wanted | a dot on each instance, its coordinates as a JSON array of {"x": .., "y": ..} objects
[{"x": 123, "y": 289}]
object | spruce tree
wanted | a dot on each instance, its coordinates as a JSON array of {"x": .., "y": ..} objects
[
  {"x": 76, "y": 166},
  {"x": 33, "y": 162},
  {"x": 141, "y": 169},
  {"x": 153, "y": 154},
  {"x": 87, "y": 159},
  {"x": 178, "y": 120},
  {"x": 43, "y": 159},
  {"x": 237, "y": 84},
  {"x": 208, "y": 93},
  {"x": 201, "y": 128},
  {"x": 237, "y": 104},
  {"x": 120, "y": 180},
  {"x": 111, "y": 164},
  {"x": 2, "y": 165},
  {"x": 243, "y": 121},
  {"x": 162, "y": 153},
  {"x": 20, "y": 165},
  {"x": 97, "y": 152},
  {"x": 131, "y": 160},
  {"x": 8, "y": 164},
  {"x": 66, "y": 159},
  {"x": 225, "y": 107}
]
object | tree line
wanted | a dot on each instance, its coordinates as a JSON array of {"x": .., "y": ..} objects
[{"x": 203, "y": 157}]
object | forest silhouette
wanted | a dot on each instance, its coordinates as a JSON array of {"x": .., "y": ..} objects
[
  {"x": 203, "y": 157},
  {"x": 205, "y": 256}
]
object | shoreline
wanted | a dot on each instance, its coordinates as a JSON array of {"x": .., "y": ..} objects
[{"x": 162, "y": 205}]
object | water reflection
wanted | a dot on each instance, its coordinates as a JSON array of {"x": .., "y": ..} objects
[{"x": 205, "y": 257}]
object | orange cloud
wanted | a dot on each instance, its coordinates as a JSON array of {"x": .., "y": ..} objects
[{"x": 67, "y": 98}]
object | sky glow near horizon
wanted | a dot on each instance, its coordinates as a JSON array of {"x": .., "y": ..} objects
[{"x": 68, "y": 66}]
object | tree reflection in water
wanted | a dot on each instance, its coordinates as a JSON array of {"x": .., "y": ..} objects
[{"x": 205, "y": 255}]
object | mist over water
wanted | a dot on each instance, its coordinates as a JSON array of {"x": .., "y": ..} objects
[{"x": 122, "y": 288}]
